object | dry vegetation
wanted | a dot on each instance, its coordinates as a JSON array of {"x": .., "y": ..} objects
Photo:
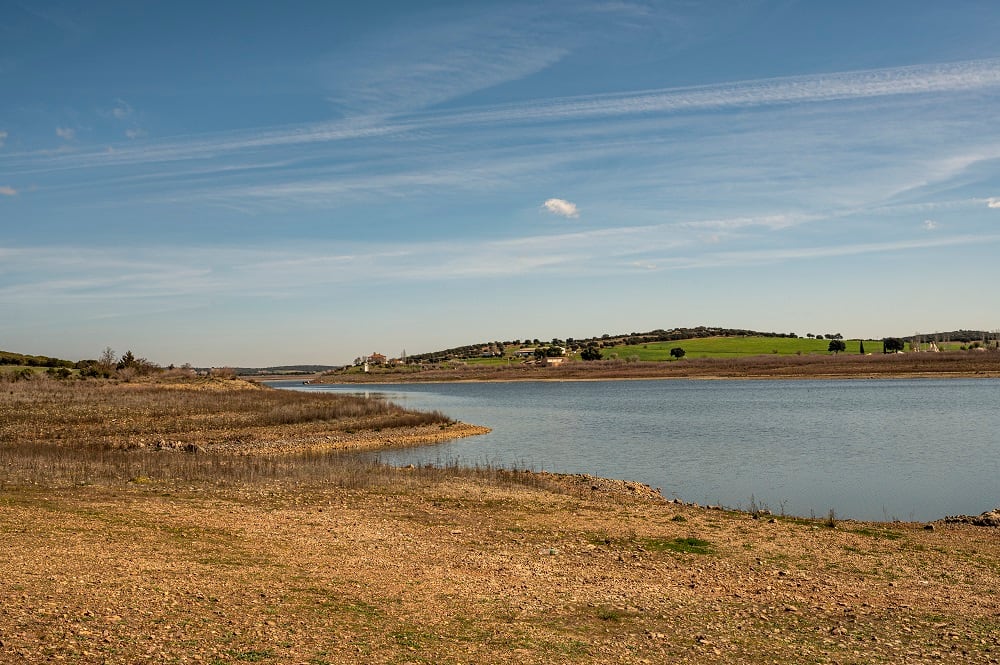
[
  {"x": 119, "y": 554},
  {"x": 206, "y": 414},
  {"x": 959, "y": 363}
]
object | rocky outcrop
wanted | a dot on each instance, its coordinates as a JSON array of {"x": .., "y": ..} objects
[
  {"x": 988, "y": 518},
  {"x": 586, "y": 483}
]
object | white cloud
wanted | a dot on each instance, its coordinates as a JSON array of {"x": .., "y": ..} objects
[
  {"x": 561, "y": 207},
  {"x": 993, "y": 203},
  {"x": 122, "y": 110},
  {"x": 3, "y": 138},
  {"x": 930, "y": 225},
  {"x": 135, "y": 133},
  {"x": 67, "y": 133},
  {"x": 7, "y": 191}
]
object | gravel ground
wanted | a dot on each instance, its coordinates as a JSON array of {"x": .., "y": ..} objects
[{"x": 467, "y": 570}]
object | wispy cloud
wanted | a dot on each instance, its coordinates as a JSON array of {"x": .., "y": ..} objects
[
  {"x": 135, "y": 133},
  {"x": 122, "y": 109},
  {"x": 171, "y": 274},
  {"x": 3, "y": 138},
  {"x": 924, "y": 79},
  {"x": 443, "y": 57},
  {"x": 770, "y": 256},
  {"x": 67, "y": 133},
  {"x": 6, "y": 190},
  {"x": 561, "y": 207},
  {"x": 774, "y": 222},
  {"x": 930, "y": 225},
  {"x": 865, "y": 84},
  {"x": 993, "y": 202}
]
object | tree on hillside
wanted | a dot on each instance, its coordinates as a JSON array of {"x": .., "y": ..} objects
[
  {"x": 590, "y": 353},
  {"x": 892, "y": 345},
  {"x": 861, "y": 347},
  {"x": 677, "y": 352},
  {"x": 837, "y": 345}
]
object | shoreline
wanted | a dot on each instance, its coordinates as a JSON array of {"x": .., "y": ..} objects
[
  {"x": 767, "y": 367},
  {"x": 762, "y": 377}
]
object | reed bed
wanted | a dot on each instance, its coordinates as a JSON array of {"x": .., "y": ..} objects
[
  {"x": 42, "y": 465},
  {"x": 105, "y": 414},
  {"x": 58, "y": 434}
]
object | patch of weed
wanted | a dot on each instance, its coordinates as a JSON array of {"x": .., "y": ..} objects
[
  {"x": 688, "y": 545},
  {"x": 414, "y": 639},
  {"x": 609, "y": 614},
  {"x": 877, "y": 533},
  {"x": 252, "y": 655}
]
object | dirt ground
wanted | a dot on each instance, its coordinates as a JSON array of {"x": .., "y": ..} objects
[{"x": 475, "y": 570}]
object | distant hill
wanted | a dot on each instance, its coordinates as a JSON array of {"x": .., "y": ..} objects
[
  {"x": 11, "y": 358},
  {"x": 605, "y": 340},
  {"x": 284, "y": 369},
  {"x": 964, "y": 336}
]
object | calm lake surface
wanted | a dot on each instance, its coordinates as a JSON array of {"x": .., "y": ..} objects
[{"x": 910, "y": 449}]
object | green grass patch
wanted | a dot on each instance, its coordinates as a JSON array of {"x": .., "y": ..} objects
[
  {"x": 492, "y": 362},
  {"x": 610, "y": 614},
  {"x": 252, "y": 655},
  {"x": 682, "y": 545},
  {"x": 413, "y": 639},
  {"x": 732, "y": 347},
  {"x": 884, "y": 534}
]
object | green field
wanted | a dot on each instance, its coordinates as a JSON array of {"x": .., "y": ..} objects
[
  {"x": 708, "y": 347},
  {"x": 730, "y": 347},
  {"x": 491, "y": 362}
]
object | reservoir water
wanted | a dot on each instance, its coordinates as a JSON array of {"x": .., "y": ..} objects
[{"x": 910, "y": 449}]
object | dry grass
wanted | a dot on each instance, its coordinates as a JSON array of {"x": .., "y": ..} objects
[
  {"x": 42, "y": 465},
  {"x": 57, "y": 433},
  {"x": 102, "y": 414}
]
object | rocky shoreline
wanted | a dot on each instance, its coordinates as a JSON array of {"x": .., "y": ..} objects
[{"x": 989, "y": 518}]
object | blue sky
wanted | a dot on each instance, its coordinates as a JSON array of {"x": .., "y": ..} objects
[{"x": 242, "y": 183}]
